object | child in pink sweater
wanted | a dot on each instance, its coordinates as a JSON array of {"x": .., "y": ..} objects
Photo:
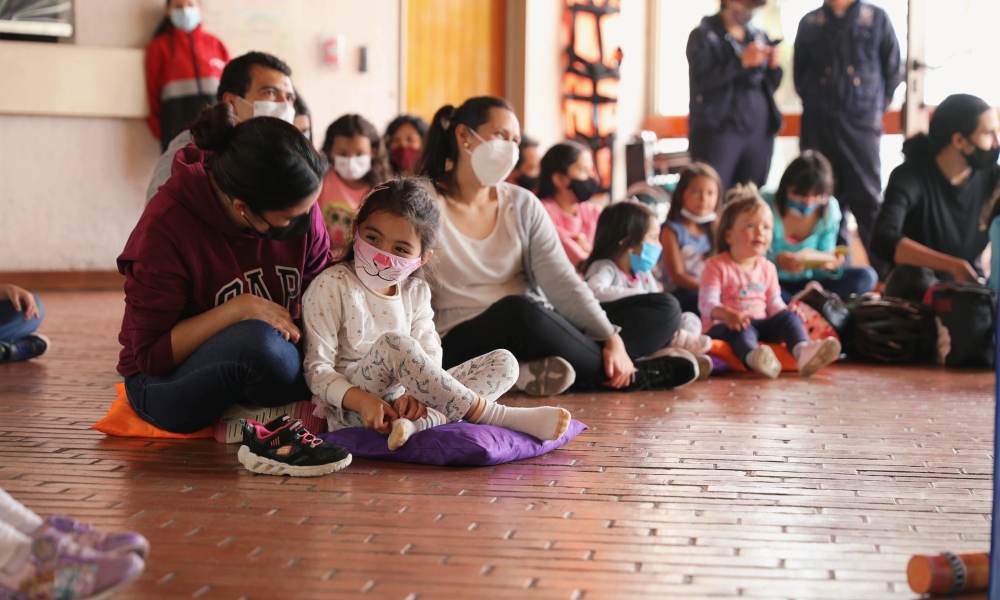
[{"x": 740, "y": 299}]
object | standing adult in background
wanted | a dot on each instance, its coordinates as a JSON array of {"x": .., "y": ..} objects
[
  {"x": 404, "y": 137},
  {"x": 183, "y": 67},
  {"x": 528, "y": 168},
  {"x": 928, "y": 227},
  {"x": 847, "y": 68},
  {"x": 734, "y": 71},
  {"x": 255, "y": 85}
]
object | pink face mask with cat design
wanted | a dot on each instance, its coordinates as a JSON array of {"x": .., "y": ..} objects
[{"x": 379, "y": 270}]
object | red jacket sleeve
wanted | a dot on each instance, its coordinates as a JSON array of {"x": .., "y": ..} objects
[
  {"x": 157, "y": 291},
  {"x": 154, "y": 83}
]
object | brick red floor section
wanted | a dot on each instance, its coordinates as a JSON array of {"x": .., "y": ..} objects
[{"x": 736, "y": 487}]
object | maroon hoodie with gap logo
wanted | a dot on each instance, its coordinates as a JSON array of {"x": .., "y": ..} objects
[{"x": 185, "y": 257}]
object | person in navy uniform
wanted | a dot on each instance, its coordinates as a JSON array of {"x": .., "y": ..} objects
[
  {"x": 846, "y": 69},
  {"x": 734, "y": 71}
]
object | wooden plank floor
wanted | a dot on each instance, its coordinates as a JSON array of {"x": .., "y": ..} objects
[{"x": 731, "y": 488}]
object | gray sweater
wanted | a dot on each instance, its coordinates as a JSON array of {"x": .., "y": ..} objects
[
  {"x": 547, "y": 271},
  {"x": 162, "y": 171}
]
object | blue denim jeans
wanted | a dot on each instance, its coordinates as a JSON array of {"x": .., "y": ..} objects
[
  {"x": 13, "y": 325},
  {"x": 853, "y": 280},
  {"x": 248, "y": 362}
]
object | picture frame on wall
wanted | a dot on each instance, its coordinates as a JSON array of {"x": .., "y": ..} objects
[{"x": 36, "y": 20}]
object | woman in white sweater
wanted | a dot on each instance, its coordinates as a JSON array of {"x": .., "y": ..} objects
[
  {"x": 372, "y": 356},
  {"x": 503, "y": 279}
]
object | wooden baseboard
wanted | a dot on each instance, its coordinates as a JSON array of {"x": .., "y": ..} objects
[{"x": 64, "y": 280}]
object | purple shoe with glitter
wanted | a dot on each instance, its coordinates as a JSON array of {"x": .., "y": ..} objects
[
  {"x": 59, "y": 569},
  {"x": 85, "y": 535}
]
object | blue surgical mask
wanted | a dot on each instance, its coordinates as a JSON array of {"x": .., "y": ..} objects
[
  {"x": 802, "y": 209},
  {"x": 187, "y": 18},
  {"x": 647, "y": 258}
]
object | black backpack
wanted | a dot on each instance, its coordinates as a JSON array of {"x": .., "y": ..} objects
[
  {"x": 890, "y": 330},
  {"x": 965, "y": 314}
]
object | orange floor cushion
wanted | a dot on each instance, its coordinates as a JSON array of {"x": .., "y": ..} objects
[
  {"x": 122, "y": 421},
  {"x": 722, "y": 350}
]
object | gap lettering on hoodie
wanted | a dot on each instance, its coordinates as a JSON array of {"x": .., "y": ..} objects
[
  {"x": 290, "y": 279},
  {"x": 229, "y": 291},
  {"x": 290, "y": 282},
  {"x": 255, "y": 279}
]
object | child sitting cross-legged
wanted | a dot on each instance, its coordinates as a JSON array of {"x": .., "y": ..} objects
[
  {"x": 626, "y": 248},
  {"x": 740, "y": 299},
  {"x": 372, "y": 357}
]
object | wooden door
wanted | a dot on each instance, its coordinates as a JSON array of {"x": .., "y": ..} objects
[{"x": 454, "y": 50}]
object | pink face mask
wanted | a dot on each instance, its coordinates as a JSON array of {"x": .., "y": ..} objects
[{"x": 379, "y": 270}]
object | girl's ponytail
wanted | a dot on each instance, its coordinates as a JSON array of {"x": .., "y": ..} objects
[
  {"x": 437, "y": 146},
  {"x": 440, "y": 148}
]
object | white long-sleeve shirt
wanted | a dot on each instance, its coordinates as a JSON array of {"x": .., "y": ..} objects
[
  {"x": 608, "y": 282},
  {"x": 343, "y": 318}
]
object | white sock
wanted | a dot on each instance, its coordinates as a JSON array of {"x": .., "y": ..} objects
[
  {"x": 403, "y": 429},
  {"x": 15, "y": 548},
  {"x": 18, "y": 515},
  {"x": 543, "y": 422},
  {"x": 798, "y": 349}
]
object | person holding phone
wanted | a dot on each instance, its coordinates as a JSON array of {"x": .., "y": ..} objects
[{"x": 733, "y": 69}]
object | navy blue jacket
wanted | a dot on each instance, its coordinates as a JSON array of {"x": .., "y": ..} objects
[
  {"x": 849, "y": 65},
  {"x": 719, "y": 82}
]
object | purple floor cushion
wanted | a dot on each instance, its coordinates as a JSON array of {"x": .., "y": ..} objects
[{"x": 452, "y": 444}]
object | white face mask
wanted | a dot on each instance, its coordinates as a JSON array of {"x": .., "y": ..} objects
[
  {"x": 352, "y": 168},
  {"x": 493, "y": 161},
  {"x": 282, "y": 110},
  {"x": 699, "y": 219}
]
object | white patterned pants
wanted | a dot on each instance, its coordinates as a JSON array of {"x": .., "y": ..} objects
[{"x": 397, "y": 364}]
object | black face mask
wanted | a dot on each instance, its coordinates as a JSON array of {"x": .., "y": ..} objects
[
  {"x": 583, "y": 189},
  {"x": 528, "y": 183},
  {"x": 982, "y": 159},
  {"x": 296, "y": 228}
]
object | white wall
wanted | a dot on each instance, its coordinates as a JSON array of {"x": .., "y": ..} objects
[
  {"x": 545, "y": 63},
  {"x": 71, "y": 189}
]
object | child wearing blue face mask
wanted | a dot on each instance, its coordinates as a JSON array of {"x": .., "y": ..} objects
[
  {"x": 806, "y": 225},
  {"x": 626, "y": 249}
]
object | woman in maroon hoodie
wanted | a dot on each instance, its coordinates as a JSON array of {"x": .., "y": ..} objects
[{"x": 215, "y": 269}]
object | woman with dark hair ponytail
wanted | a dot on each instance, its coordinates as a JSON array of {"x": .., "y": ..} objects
[
  {"x": 214, "y": 272},
  {"x": 183, "y": 67},
  {"x": 928, "y": 226},
  {"x": 500, "y": 260}
]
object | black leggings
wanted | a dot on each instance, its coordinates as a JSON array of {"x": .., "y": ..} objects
[{"x": 530, "y": 331}]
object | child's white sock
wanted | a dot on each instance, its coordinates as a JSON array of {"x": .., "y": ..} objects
[
  {"x": 403, "y": 429},
  {"x": 543, "y": 422}
]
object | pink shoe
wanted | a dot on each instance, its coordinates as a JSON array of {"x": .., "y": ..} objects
[
  {"x": 59, "y": 569},
  {"x": 86, "y": 536},
  {"x": 227, "y": 428}
]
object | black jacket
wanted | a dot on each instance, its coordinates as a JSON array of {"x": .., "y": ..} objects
[
  {"x": 849, "y": 65},
  {"x": 719, "y": 82}
]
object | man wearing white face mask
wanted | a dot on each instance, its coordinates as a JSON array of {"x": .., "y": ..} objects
[
  {"x": 183, "y": 66},
  {"x": 255, "y": 85}
]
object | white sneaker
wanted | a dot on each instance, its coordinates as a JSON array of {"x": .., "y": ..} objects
[
  {"x": 763, "y": 361},
  {"x": 695, "y": 343},
  {"x": 817, "y": 354},
  {"x": 704, "y": 366},
  {"x": 547, "y": 376},
  {"x": 691, "y": 322}
]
